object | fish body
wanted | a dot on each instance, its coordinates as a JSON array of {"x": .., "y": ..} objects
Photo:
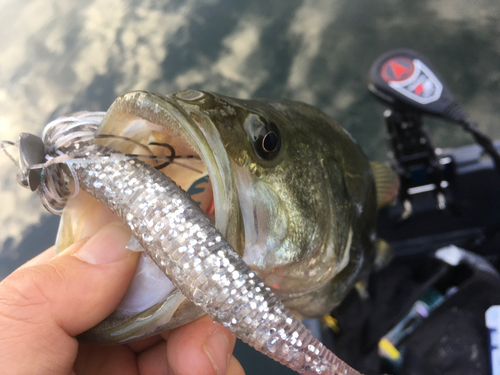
[
  {"x": 308, "y": 210},
  {"x": 289, "y": 189}
]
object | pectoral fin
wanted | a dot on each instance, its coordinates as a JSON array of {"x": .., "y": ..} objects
[{"x": 386, "y": 182}]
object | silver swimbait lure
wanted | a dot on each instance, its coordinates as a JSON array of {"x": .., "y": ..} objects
[{"x": 176, "y": 234}]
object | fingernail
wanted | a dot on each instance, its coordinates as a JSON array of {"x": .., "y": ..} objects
[
  {"x": 218, "y": 351},
  {"x": 107, "y": 245}
]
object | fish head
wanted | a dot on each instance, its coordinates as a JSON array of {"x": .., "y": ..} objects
[
  {"x": 303, "y": 188},
  {"x": 288, "y": 187}
]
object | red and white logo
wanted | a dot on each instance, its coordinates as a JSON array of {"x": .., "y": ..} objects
[{"x": 412, "y": 78}]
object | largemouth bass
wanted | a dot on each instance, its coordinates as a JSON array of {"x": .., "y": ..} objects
[{"x": 288, "y": 188}]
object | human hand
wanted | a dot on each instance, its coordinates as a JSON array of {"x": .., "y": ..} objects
[{"x": 48, "y": 301}]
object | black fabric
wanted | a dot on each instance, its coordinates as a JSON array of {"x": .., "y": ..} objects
[{"x": 452, "y": 340}]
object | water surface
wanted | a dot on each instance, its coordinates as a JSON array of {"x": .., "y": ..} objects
[{"x": 59, "y": 57}]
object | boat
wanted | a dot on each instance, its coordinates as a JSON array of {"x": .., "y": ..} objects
[{"x": 435, "y": 309}]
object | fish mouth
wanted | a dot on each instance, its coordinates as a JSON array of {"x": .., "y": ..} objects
[
  {"x": 187, "y": 147},
  {"x": 173, "y": 135}
]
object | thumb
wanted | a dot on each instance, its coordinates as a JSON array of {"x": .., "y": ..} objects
[{"x": 42, "y": 307}]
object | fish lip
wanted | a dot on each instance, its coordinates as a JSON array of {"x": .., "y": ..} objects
[{"x": 169, "y": 112}]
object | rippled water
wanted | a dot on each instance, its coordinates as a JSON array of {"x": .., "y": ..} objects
[{"x": 59, "y": 57}]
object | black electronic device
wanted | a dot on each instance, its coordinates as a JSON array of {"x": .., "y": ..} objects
[
  {"x": 445, "y": 197},
  {"x": 410, "y": 85},
  {"x": 407, "y": 81}
]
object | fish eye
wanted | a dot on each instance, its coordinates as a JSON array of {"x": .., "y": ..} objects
[{"x": 268, "y": 141}]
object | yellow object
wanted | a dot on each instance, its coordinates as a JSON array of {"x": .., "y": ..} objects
[
  {"x": 331, "y": 323},
  {"x": 386, "y": 347}
]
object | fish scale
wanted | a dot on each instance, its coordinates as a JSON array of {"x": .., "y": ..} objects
[{"x": 202, "y": 264}]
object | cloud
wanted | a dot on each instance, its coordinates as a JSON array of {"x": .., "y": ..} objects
[
  {"x": 26, "y": 100},
  {"x": 145, "y": 40},
  {"x": 308, "y": 27},
  {"x": 457, "y": 10},
  {"x": 239, "y": 70}
]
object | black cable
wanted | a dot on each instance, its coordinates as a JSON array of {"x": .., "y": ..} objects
[{"x": 483, "y": 141}]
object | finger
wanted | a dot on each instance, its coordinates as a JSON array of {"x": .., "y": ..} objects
[
  {"x": 154, "y": 361},
  {"x": 107, "y": 360},
  {"x": 200, "y": 348},
  {"x": 234, "y": 367},
  {"x": 141, "y": 345},
  {"x": 42, "y": 307},
  {"x": 40, "y": 258}
]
